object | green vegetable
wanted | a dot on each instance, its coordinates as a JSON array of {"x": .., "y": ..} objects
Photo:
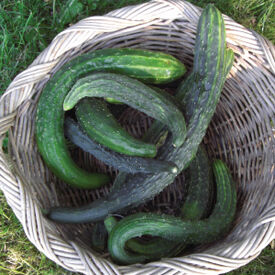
[
  {"x": 131, "y": 190},
  {"x": 135, "y": 94},
  {"x": 198, "y": 200},
  {"x": 99, "y": 237},
  {"x": 153, "y": 249},
  {"x": 176, "y": 229},
  {"x": 195, "y": 207},
  {"x": 112, "y": 100},
  {"x": 121, "y": 162},
  {"x": 101, "y": 126},
  {"x": 153, "y": 67},
  {"x": 216, "y": 63}
]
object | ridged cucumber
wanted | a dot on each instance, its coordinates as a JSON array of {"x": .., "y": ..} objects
[
  {"x": 133, "y": 93},
  {"x": 100, "y": 125},
  {"x": 149, "y": 66},
  {"x": 176, "y": 229},
  {"x": 198, "y": 200},
  {"x": 152, "y": 249},
  {"x": 118, "y": 161},
  {"x": 196, "y": 206}
]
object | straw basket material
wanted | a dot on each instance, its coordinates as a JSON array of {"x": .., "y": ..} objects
[{"x": 240, "y": 133}]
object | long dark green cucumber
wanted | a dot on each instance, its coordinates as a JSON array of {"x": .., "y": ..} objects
[
  {"x": 191, "y": 143},
  {"x": 100, "y": 125},
  {"x": 152, "y": 67},
  {"x": 176, "y": 229},
  {"x": 196, "y": 206},
  {"x": 198, "y": 200},
  {"x": 139, "y": 188},
  {"x": 133, "y": 93},
  {"x": 118, "y": 161},
  {"x": 187, "y": 94}
]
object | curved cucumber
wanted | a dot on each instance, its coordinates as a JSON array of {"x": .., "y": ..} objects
[
  {"x": 176, "y": 229},
  {"x": 195, "y": 207},
  {"x": 135, "y": 94},
  {"x": 118, "y": 161},
  {"x": 100, "y": 125},
  {"x": 153, "y": 249},
  {"x": 152, "y": 67}
]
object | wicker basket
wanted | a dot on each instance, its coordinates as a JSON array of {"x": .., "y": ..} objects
[{"x": 240, "y": 133}]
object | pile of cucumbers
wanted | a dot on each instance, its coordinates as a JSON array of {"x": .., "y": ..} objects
[{"x": 87, "y": 85}]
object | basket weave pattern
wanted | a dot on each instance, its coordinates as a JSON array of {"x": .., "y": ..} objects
[{"x": 240, "y": 133}]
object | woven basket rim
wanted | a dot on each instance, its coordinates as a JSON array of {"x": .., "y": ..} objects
[{"x": 18, "y": 193}]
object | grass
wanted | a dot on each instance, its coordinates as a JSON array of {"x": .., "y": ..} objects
[
  {"x": 17, "y": 254},
  {"x": 36, "y": 22},
  {"x": 258, "y": 15},
  {"x": 26, "y": 28}
]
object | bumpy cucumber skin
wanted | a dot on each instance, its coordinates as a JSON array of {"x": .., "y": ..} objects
[
  {"x": 198, "y": 200},
  {"x": 216, "y": 67},
  {"x": 152, "y": 67},
  {"x": 135, "y": 94},
  {"x": 130, "y": 191},
  {"x": 100, "y": 125},
  {"x": 129, "y": 164},
  {"x": 154, "y": 249},
  {"x": 176, "y": 229},
  {"x": 196, "y": 206}
]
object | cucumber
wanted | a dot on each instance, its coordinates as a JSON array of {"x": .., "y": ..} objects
[
  {"x": 132, "y": 190},
  {"x": 100, "y": 125},
  {"x": 202, "y": 114},
  {"x": 195, "y": 203},
  {"x": 153, "y": 249},
  {"x": 198, "y": 201},
  {"x": 152, "y": 67},
  {"x": 109, "y": 223},
  {"x": 175, "y": 229},
  {"x": 112, "y": 100},
  {"x": 195, "y": 207},
  {"x": 118, "y": 161},
  {"x": 135, "y": 94},
  {"x": 99, "y": 237}
]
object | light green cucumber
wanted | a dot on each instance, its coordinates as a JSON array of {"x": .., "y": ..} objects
[{"x": 101, "y": 126}]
